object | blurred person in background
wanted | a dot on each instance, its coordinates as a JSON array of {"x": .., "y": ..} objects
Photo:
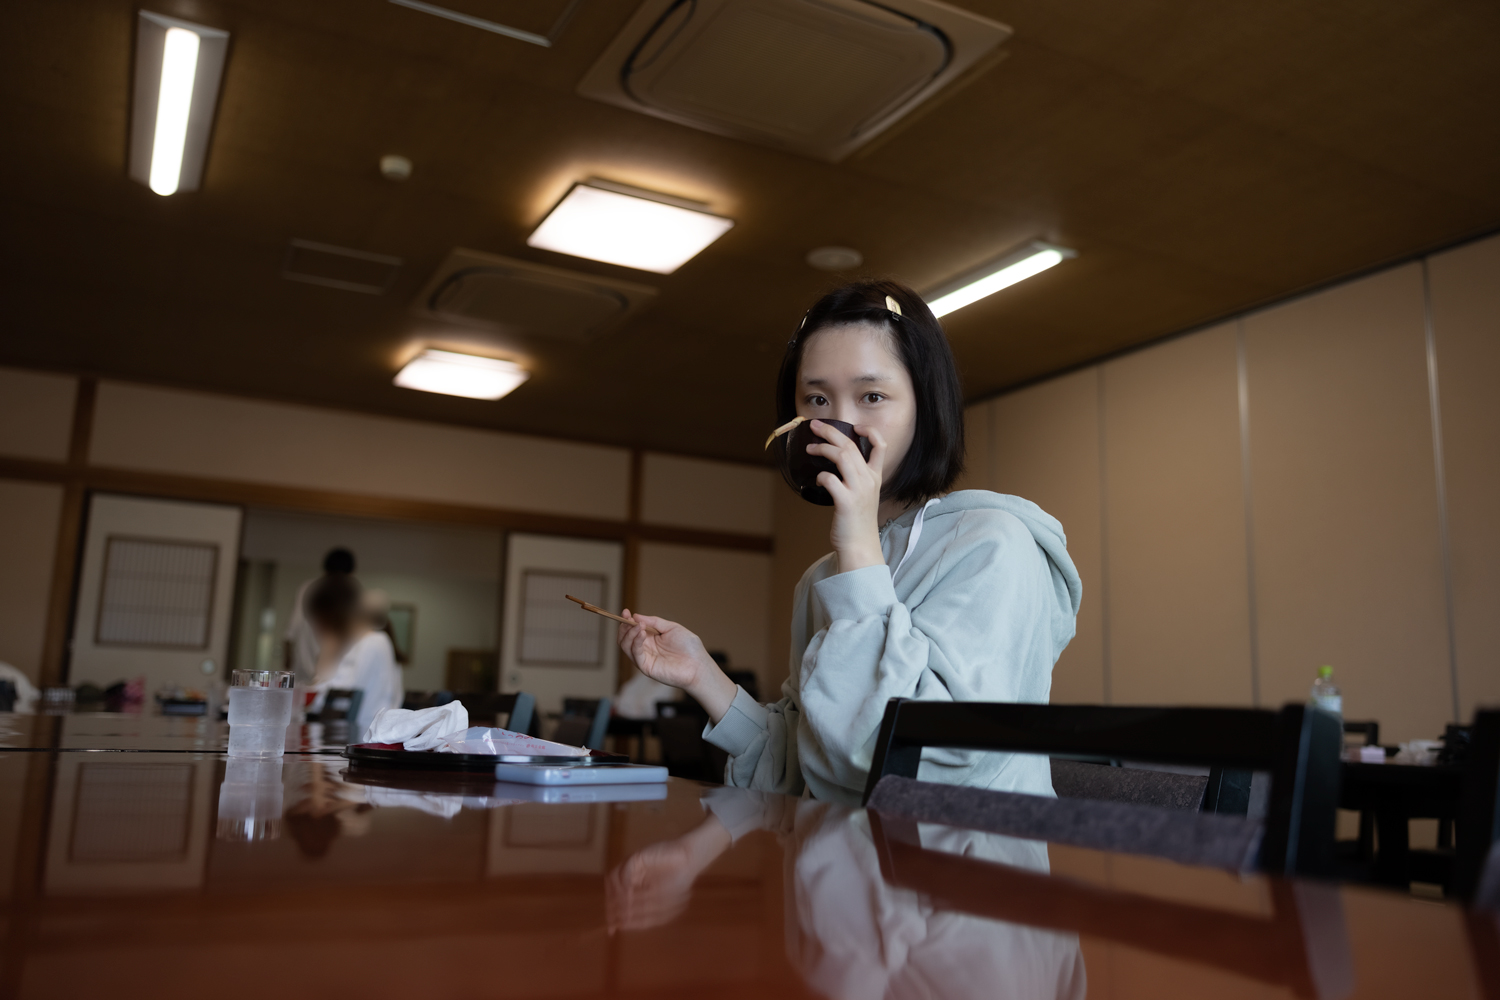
[
  {"x": 301, "y": 637},
  {"x": 355, "y": 651}
]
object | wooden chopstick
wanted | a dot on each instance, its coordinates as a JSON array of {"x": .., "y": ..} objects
[{"x": 609, "y": 614}]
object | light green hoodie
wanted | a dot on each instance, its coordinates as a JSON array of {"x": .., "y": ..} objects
[{"x": 976, "y": 602}]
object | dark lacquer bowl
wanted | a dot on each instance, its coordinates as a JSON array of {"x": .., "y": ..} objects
[{"x": 801, "y": 469}]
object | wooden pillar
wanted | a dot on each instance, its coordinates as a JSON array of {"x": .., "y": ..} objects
[
  {"x": 631, "y": 572},
  {"x": 69, "y": 540}
]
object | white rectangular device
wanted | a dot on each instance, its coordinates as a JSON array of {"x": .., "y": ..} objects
[
  {"x": 560, "y": 794},
  {"x": 581, "y": 774}
]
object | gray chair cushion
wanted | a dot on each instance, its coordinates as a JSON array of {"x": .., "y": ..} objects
[
  {"x": 1073, "y": 779},
  {"x": 1192, "y": 838}
]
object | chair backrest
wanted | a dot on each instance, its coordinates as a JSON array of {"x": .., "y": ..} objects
[
  {"x": 485, "y": 708},
  {"x": 1301, "y": 944},
  {"x": 747, "y": 680},
  {"x": 1478, "y": 825},
  {"x": 584, "y": 722},
  {"x": 341, "y": 703},
  {"x": 1074, "y": 779},
  {"x": 416, "y": 700},
  {"x": 1299, "y": 745},
  {"x": 1369, "y": 730}
]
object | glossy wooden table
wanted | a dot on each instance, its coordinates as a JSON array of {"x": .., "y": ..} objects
[{"x": 132, "y": 871}]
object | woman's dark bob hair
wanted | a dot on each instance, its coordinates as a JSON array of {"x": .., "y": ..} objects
[{"x": 936, "y": 457}]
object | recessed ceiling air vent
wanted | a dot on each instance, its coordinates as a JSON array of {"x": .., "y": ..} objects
[
  {"x": 526, "y": 299},
  {"x": 820, "y": 77}
]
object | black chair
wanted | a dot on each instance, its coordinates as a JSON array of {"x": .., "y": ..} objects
[
  {"x": 584, "y": 723},
  {"x": 747, "y": 680},
  {"x": 686, "y": 754},
  {"x": 417, "y": 700},
  {"x": 341, "y": 704},
  {"x": 1110, "y": 782},
  {"x": 1476, "y": 859},
  {"x": 1299, "y": 745},
  {"x": 1362, "y": 850},
  {"x": 1302, "y": 945},
  {"x": 486, "y": 708}
]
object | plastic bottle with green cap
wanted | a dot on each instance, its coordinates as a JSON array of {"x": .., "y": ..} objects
[{"x": 1325, "y": 694}]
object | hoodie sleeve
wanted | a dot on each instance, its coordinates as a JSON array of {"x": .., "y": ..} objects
[
  {"x": 979, "y": 633},
  {"x": 761, "y": 740}
]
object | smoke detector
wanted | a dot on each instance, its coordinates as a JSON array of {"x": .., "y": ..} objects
[{"x": 819, "y": 77}]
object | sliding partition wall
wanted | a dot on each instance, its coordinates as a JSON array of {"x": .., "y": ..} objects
[{"x": 1316, "y": 482}]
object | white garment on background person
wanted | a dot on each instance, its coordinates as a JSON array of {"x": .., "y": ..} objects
[
  {"x": 369, "y": 666},
  {"x": 301, "y": 639}
]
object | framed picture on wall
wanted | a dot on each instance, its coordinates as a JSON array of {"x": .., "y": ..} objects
[
  {"x": 403, "y": 619},
  {"x": 553, "y": 631}
]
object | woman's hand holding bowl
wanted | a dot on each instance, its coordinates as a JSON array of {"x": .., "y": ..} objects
[{"x": 856, "y": 494}]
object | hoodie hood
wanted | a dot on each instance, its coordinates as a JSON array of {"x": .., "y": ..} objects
[{"x": 1050, "y": 538}]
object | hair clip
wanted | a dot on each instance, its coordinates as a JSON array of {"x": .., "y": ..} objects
[
  {"x": 783, "y": 429},
  {"x": 892, "y": 305}
]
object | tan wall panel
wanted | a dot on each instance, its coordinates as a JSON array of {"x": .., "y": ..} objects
[
  {"x": 1045, "y": 447},
  {"x": 713, "y": 496},
  {"x": 721, "y": 595},
  {"x": 1348, "y": 569},
  {"x": 36, "y": 414},
  {"x": 223, "y": 437},
  {"x": 29, "y": 514},
  {"x": 977, "y": 420},
  {"x": 1179, "y": 627},
  {"x": 801, "y": 539},
  {"x": 1465, "y": 290}
]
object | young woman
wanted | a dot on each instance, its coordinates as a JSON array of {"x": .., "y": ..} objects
[{"x": 965, "y": 596}]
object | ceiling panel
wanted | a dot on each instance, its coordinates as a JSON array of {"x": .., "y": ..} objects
[{"x": 1202, "y": 159}]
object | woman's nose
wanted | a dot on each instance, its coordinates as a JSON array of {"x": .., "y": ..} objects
[{"x": 845, "y": 411}]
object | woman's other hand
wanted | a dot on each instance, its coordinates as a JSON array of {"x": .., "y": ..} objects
[
  {"x": 676, "y": 656},
  {"x": 856, "y": 494}
]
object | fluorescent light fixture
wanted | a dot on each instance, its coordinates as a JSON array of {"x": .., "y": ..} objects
[
  {"x": 461, "y": 375},
  {"x": 178, "y": 66},
  {"x": 1004, "y": 271},
  {"x": 604, "y": 221}
]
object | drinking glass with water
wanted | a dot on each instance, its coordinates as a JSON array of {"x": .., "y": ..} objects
[{"x": 260, "y": 709}]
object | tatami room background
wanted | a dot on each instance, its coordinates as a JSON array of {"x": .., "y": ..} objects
[{"x": 1313, "y": 482}]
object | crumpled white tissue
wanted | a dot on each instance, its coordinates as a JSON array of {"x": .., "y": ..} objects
[
  {"x": 502, "y": 741},
  {"x": 419, "y": 729}
]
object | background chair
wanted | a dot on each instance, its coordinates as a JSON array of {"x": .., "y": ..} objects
[
  {"x": 584, "y": 723},
  {"x": 1300, "y": 747},
  {"x": 1476, "y": 860},
  {"x": 341, "y": 704},
  {"x": 679, "y": 727},
  {"x": 1302, "y": 945},
  {"x": 515, "y": 711}
]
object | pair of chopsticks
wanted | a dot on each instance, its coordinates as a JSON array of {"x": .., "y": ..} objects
[{"x": 608, "y": 614}]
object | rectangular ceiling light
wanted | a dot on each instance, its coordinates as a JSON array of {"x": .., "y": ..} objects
[
  {"x": 178, "y": 66},
  {"x": 626, "y": 226},
  {"x": 461, "y": 375},
  {"x": 1004, "y": 271}
]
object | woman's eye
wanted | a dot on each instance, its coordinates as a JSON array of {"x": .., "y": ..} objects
[
  {"x": 817, "y": 401},
  {"x": 873, "y": 397}
]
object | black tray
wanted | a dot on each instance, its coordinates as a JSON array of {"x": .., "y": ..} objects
[{"x": 394, "y": 755}]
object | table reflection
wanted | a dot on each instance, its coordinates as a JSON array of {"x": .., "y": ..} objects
[
  {"x": 688, "y": 891},
  {"x": 856, "y": 935}
]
